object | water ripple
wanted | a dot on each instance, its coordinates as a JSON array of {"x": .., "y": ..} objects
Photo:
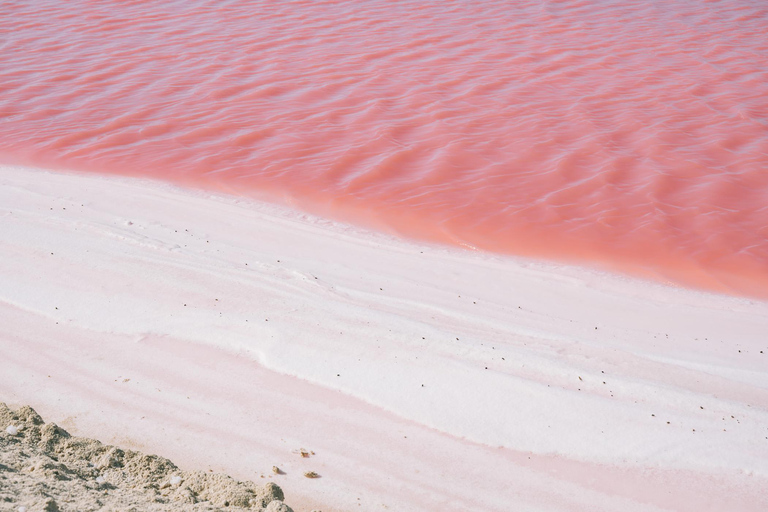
[{"x": 632, "y": 133}]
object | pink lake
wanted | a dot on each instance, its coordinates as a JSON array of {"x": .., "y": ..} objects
[{"x": 628, "y": 134}]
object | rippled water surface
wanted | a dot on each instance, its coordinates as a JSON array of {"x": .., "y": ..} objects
[{"x": 629, "y": 133}]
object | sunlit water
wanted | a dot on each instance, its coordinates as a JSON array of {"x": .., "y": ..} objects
[{"x": 633, "y": 134}]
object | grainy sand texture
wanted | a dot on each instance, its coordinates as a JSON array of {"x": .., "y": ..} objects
[{"x": 42, "y": 467}]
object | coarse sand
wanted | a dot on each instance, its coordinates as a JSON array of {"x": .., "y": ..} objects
[{"x": 42, "y": 467}]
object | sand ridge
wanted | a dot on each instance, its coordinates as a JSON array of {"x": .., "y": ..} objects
[{"x": 43, "y": 467}]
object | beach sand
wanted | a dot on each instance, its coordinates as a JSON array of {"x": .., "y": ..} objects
[
  {"x": 229, "y": 335},
  {"x": 42, "y": 467}
]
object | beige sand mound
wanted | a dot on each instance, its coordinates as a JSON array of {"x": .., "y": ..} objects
[{"x": 42, "y": 467}]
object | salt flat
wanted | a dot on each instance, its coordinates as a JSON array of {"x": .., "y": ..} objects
[{"x": 227, "y": 334}]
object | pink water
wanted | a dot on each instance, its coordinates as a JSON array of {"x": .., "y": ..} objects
[{"x": 632, "y": 134}]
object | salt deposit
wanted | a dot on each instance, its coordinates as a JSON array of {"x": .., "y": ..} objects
[{"x": 226, "y": 334}]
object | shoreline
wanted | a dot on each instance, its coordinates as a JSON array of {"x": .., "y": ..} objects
[{"x": 421, "y": 376}]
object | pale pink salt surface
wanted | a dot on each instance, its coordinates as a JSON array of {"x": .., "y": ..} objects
[
  {"x": 242, "y": 419},
  {"x": 96, "y": 272}
]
